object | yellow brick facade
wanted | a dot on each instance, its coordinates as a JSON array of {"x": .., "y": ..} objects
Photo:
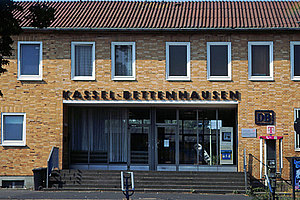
[{"x": 43, "y": 103}]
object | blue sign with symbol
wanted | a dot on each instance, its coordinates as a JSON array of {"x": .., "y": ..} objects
[{"x": 226, "y": 154}]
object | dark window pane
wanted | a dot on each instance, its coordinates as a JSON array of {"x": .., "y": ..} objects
[
  {"x": 177, "y": 60},
  {"x": 83, "y": 60},
  {"x": 260, "y": 60},
  {"x": 13, "y": 127},
  {"x": 139, "y": 144},
  {"x": 139, "y": 116},
  {"x": 30, "y": 59},
  {"x": 188, "y": 137},
  {"x": 297, "y": 60},
  {"x": 167, "y": 116},
  {"x": 219, "y": 60},
  {"x": 123, "y": 60}
]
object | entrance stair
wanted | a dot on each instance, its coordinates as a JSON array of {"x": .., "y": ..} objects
[{"x": 149, "y": 181}]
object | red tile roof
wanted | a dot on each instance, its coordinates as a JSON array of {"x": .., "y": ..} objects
[{"x": 171, "y": 15}]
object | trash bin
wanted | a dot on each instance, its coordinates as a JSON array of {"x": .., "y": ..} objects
[{"x": 39, "y": 175}]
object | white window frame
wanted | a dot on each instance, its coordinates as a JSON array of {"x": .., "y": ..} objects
[
  {"x": 82, "y": 78},
  {"x": 292, "y": 44},
  {"x": 13, "y": 142},
  {"x": 38, "y": 77},
  {"x": 188, "y": 71},
  {"x": 219, "y": 78},
  {"x": 297, "y": 147},
  {"x": 260, "y": 78},
  {"x": 113, "y": 68}
]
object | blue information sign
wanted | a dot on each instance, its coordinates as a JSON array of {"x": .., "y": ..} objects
[{"x": 226, "y": 154}]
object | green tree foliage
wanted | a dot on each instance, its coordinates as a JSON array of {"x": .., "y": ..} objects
[
  {"x": 41, "y": 16},
  {"x": 8, "y": 26}
]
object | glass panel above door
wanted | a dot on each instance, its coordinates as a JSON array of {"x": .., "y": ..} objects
[
  {"x": 166, "y": 116},
  {"x": 139, "y": 116}
]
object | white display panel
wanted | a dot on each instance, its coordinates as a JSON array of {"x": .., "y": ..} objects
[{"x": 226, "y": 146}]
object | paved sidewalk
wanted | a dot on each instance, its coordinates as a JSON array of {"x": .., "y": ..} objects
[{"x": 29, "y": 194}]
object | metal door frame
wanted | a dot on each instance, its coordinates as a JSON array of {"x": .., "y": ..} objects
[
  {"x": 141, "y": 166},
  {"x": 168, "y": 167}
]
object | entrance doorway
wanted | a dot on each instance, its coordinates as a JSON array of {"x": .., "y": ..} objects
[
  {"x": 167, "y": 151},
  {"x": 149, "y": 138},
  {"x": 271, "y": 155}
]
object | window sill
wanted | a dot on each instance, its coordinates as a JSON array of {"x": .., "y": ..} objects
[
  {"x": 82, "y": 78},
  {"x": 221, "y": 78},
  {"x": 261, "y": 78},
  {"x": 296, "y": 78},
  {"x": 22, "y": 78},
  {"x": 124, "y": 78},
  {"x": 298, "y": 149},
  {"x": 180, "y": 78},
  {"x": 13, "y": 144}
]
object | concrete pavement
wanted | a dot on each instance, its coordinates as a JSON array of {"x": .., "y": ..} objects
[{"x": 29, "y": 194}]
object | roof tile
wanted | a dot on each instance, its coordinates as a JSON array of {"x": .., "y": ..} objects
[{"x": 170, "y": 15}]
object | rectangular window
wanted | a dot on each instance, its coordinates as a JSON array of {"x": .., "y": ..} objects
[
  {"x": 83, "y": 61},
  {"x": 260, "y": 61},
  {"x": 29, "y": 61},
  {"x": 219, "y": 61},
  {"x": 178, "y": 61},
  {"x": 297, "y": 135},
  {"x": 295, "y": 61},
  {"x": 13, "y": 129},
  {"x": 123, "y": 60}
]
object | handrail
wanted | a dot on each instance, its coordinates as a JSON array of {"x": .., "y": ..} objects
[
  {"x": 245, "y": 171},
  {"x": 269, "y": 183},
  {"x": 259, "y": 161},
  {"x": 52, "y": 162}
]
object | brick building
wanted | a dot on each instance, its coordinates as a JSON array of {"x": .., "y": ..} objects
[{"x": 154, "y": 86}]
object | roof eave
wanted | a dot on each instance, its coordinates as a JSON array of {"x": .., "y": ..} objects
[{"x": 162, "y": 29}]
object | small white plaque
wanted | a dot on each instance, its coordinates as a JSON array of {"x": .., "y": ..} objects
[{"x": 248, "y": 132}]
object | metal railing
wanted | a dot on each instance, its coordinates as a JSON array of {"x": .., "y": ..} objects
[
  {"x": 245, "y": 171},
  {"x": 251, "y": 157},
  {"x": 271, "y": 192},
  {"x": 52, "y": 162}
]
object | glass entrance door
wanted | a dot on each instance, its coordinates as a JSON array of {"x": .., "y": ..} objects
[
  {"x": 140, "y": 134},
  {"x": 166, "y": 145},
  {"x": 139, "y": 144}
]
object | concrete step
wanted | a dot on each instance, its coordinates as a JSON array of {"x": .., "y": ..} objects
[
  {"x": 150, "y": 177},
  {"x": 211, "y": 191},
  {"x": 170, "y": 186},
  {"x": 150, "y": 173},
  {"x": 198, "y": 179},
  {"x": 152, "y": 181},
  {"x": 143, "y": 182}
]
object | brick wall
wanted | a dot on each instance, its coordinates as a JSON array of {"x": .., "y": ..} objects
[{"x": 42, "y": 100}]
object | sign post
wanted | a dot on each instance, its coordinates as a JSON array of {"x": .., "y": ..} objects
[{"x": 127, "y": 184}]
